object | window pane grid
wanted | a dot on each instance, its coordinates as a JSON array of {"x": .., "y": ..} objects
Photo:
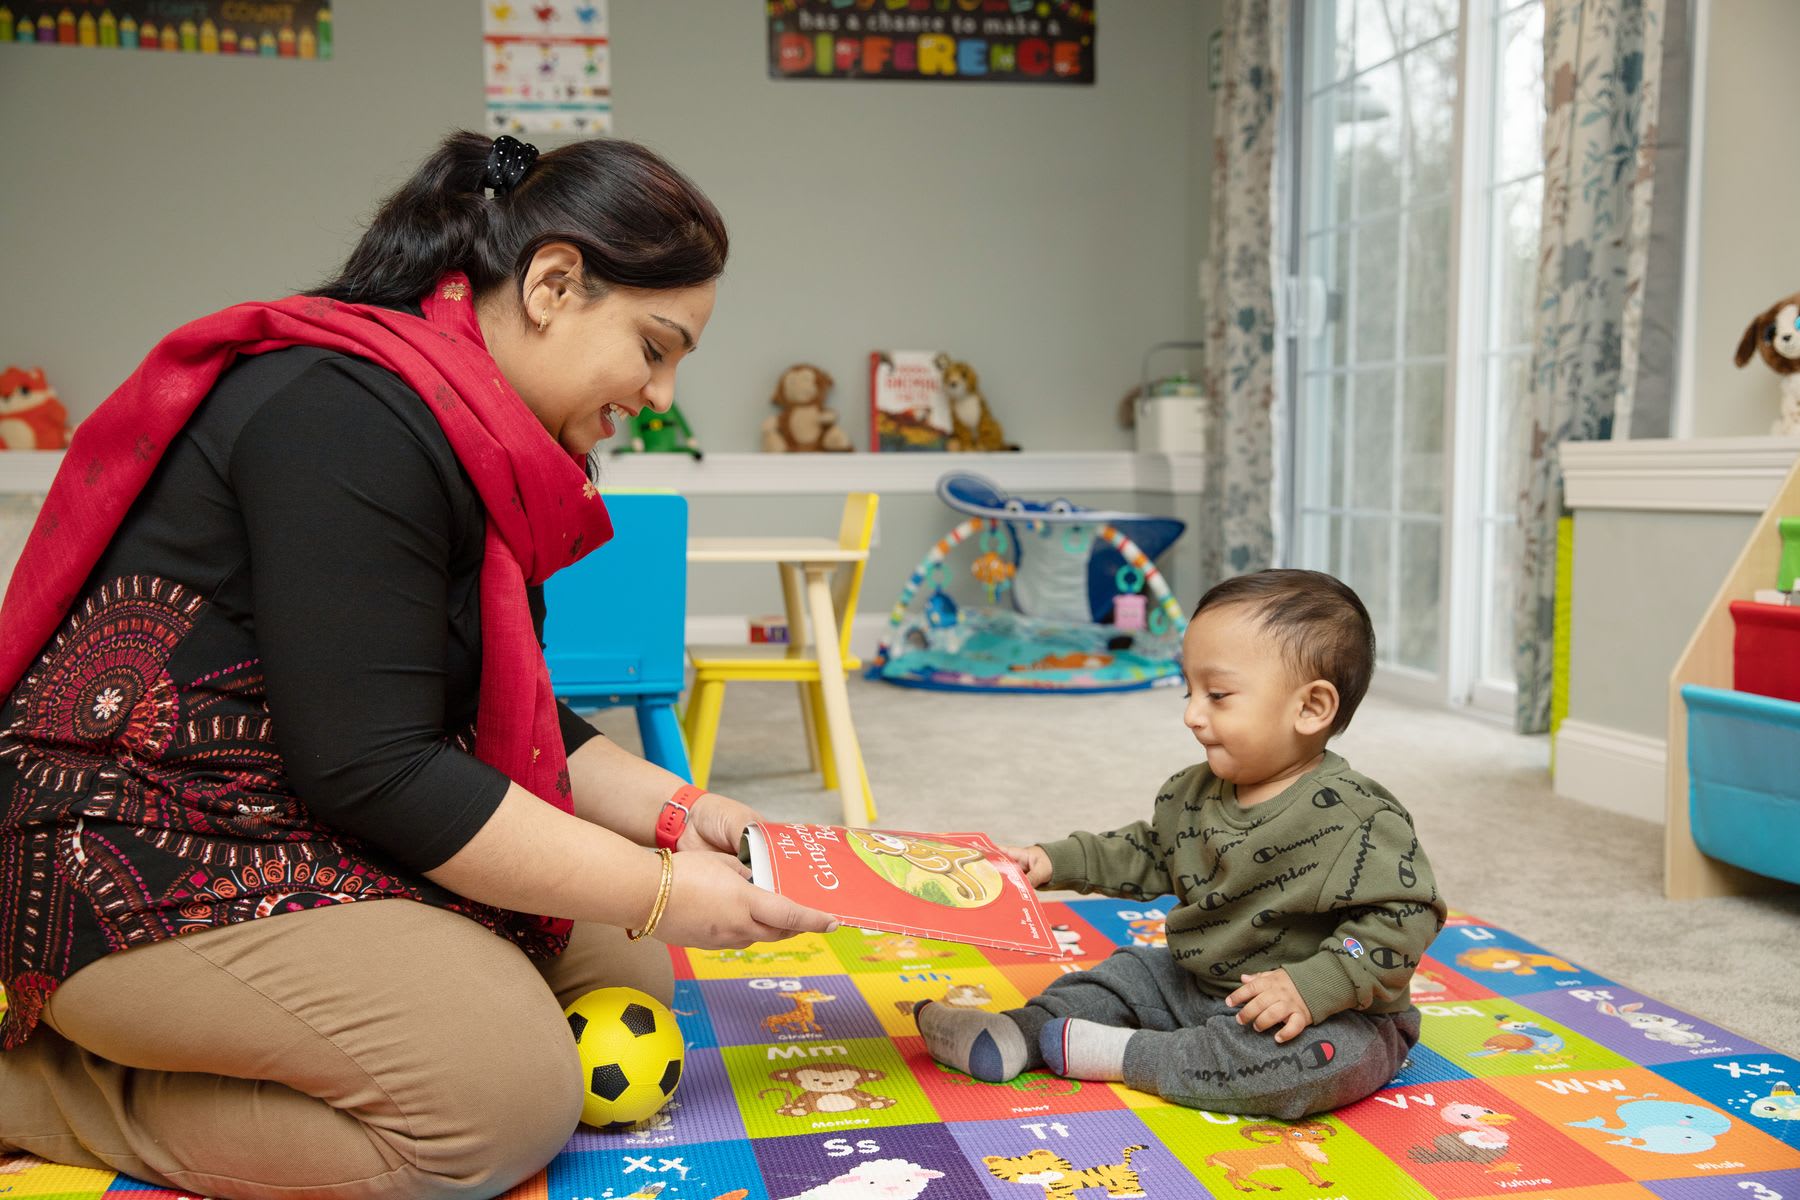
[
  {"x": 1363, "y": 71},
  {"x": 1375, "y": 365},
  {"x": 1379, "y": 186},
  {"x": 1383, "y": 514},
  {"x": 1527, "y": 177},
  {"x": 1381, "y": 214},
  {"x": 1375, "y": 227}
]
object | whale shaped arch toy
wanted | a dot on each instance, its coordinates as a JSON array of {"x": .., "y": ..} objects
[{"x": 1060, "y": 569}]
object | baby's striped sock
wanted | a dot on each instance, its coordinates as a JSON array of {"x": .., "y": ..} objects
[{"x": 1077, "y": 1049}]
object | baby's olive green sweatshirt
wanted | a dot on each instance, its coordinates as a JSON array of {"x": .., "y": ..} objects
[{"x": 1326, "y": 879}]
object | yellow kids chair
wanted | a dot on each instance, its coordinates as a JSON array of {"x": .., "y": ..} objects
[{"x": 715, "y": 666}]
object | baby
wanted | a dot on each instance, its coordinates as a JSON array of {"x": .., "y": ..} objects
[{"x": 1304, "y": 899}]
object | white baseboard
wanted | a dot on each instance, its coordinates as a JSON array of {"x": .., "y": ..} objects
[
  {"x": 865, "y": 633},
  {"x": 1612, "y": 769}
]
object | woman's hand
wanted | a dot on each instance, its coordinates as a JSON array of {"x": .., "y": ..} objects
[
  {"x": 716, "y": 822},
  {"x": 712, "y": 907},
  {"x": 1032, "y": 862}
]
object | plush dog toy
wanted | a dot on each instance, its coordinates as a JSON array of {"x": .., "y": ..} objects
[
  {"x": 1775, "y": 335},
  {"x": 31, "y": 417},
  {"x": 804, "y": 423}
]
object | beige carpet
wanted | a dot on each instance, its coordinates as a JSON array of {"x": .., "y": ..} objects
[{"x": 1577, "y": 880}]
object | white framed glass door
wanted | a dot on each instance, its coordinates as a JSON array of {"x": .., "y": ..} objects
[
  {"x": 1371, "y": 361},
  {"x": 1414, "y": 211}
]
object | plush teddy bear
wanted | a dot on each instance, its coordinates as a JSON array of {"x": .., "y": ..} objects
[
  {"x": 31, "y": 417},
  {"x": 1775, "y": 335},
  {"x": 804, "y": 423},
  {"x": 972, "y": 425}
]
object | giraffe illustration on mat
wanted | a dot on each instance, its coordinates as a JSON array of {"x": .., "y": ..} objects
[{"x": 800, "y": 1018}]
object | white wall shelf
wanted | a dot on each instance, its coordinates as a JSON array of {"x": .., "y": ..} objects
[
  {"x": 1728, "y": 474},
  {"x": 28, "y": 472},
  {"x": 1030, "y": 472}
]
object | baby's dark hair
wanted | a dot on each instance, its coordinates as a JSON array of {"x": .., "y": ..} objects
[{"x": 1321, "y": 624}]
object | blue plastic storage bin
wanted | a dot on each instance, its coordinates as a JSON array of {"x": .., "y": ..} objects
[{"x": 1744, "y": 779}]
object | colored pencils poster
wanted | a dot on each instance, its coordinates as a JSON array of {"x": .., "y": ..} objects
[
  {"x": 548, "y": 67},
  {"x": 958, "y": 887},
  {"x": 291, "y": 29}
]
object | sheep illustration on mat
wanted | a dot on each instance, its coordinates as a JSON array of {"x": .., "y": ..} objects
[{"x": 886, "y": 1178}]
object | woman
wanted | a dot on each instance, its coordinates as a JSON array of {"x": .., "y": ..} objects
[{"x": 272, "y": 652}]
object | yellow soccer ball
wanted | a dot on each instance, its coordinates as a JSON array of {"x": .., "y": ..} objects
[{"x": 631, "y": 1055}]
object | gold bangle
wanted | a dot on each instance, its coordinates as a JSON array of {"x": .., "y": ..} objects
[{"x": 662, "y": 898}]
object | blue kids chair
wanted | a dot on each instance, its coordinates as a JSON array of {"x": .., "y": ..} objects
[{"x": 615, "y": 626}]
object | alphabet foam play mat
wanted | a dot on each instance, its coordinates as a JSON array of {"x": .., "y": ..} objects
[{"x": 805, "y": 1079}]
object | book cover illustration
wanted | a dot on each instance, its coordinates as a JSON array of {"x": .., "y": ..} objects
[
  {"x": 908, "y": 408},
  {"x": 958, "y": 887}
]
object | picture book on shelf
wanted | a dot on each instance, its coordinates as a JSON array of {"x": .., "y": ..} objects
[
  {"x": 957, "y": 887},
  {"x": 908, "y": 409}
]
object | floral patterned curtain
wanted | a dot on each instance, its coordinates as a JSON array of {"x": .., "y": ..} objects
[
  {"x": 1602, "y": 82},
  {"x": 1240, "y": 331}
]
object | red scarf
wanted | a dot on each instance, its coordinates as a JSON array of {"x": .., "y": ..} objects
[{"x": 542, "y": 512}]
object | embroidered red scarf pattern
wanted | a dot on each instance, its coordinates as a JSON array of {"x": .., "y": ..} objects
[{"x": 542, "y": 511}]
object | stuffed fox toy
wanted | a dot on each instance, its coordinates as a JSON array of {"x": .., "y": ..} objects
[{"x": 31, "y": 417}]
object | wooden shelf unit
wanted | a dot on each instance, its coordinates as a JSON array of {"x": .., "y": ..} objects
[{"x": 1687, "y": 873}]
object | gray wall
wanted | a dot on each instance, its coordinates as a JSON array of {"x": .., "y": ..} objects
[
  {"x": 1659, "y": 570},
  {"x": 148, "y": 189},
  {"x": 1046, "y": 234},
  {"x": 1747, "y": 183}
]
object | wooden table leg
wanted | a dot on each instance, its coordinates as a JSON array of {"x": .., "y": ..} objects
[
  {"x": 837, "y": 696},
  {"x": 791, "y": 587}
]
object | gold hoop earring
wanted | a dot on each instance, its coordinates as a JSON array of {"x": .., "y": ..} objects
[{"x": 543, "y": 322}]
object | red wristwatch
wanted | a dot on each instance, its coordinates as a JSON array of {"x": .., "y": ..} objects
[{"x": 673, "y": 819}]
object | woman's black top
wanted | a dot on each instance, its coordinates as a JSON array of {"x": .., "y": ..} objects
[{"x": 264, "y": 700}]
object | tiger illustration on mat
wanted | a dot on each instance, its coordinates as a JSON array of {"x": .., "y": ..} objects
[{"x": 1059, "y": 1178}]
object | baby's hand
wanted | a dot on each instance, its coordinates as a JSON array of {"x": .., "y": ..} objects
[
  {"x": 1032, "y": 862},
  {"x": 1269, "y": 999}
]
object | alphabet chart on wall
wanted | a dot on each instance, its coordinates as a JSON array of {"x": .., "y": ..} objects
[{"x": 548, "y": 67}]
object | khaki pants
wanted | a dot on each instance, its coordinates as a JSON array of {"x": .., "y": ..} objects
[{"x": 376, "y": 1049}]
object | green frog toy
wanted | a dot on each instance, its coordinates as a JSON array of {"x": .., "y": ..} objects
[{"x": 661, "y": 433}]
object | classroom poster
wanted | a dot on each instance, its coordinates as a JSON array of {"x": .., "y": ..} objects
[
  {"x": 256, "y": 28},
  {"x": 547, "y": 67},
  {"x": 970, "y": 41}
]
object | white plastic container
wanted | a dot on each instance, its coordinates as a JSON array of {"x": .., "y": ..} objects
[{"x": 1171, "y": 424}]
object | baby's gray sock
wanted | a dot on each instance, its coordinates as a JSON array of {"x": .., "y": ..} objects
[
  {"x": 1077, "y": 1049},
  {"x": 986, "y": 1045}
]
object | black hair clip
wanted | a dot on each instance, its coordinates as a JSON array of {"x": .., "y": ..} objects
[{"x": 508, "y": 161}]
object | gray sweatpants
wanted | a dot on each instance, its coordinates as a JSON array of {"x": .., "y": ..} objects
[{"x": 1189, "y": 1048}]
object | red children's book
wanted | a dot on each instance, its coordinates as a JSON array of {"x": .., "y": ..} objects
[{"x": 959, "y": 887}]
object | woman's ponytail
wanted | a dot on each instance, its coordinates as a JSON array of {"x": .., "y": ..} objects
[{"x": 637, "y": 221}]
